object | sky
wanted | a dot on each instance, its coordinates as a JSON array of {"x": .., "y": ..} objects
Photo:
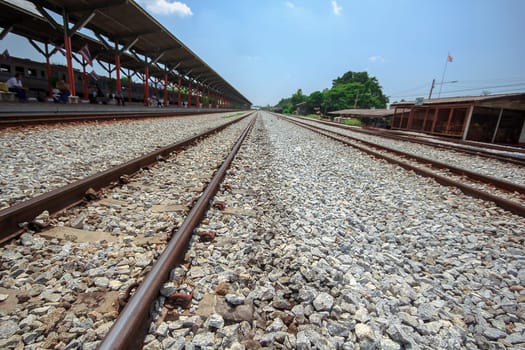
[{"x": 269, "y": 49}]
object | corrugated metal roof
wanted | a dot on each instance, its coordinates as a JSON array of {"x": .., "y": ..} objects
[
  {"x": 364, "y": 112},
  {"x": 463, "y": 99},
  {"x": 122, "y": 21}
]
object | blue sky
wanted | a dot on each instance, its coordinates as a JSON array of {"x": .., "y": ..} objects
[{"x": 269, "y": 49}]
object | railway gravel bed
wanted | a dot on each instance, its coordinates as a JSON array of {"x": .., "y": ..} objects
[
  {"x": 320, "y": 246},
  {"x": 491, "y": 167},
  {"x": 38, "y": 159},
  {"x": 517, "y": 197},
  {"x": 59, "y": 288}
]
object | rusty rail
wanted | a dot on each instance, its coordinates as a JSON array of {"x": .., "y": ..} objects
[
  {"x": 29, "y": 118},
  {"x": 131, "y": 326},
  {"x": 68, "y": 195},
  {"x": 504, "y": 203},
  {"x": 460, "y": 148},
  {"x": 70, "y": 117}
]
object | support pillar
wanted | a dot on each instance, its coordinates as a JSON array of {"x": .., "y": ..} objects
[
  {"x": 85, "y": 82},
  {"x": 48, "y": 68},
  {"x": 130, "y": 91},
  {"x": 189, "y": 94},
  {"x": 197, "y": 99},
  {"x": 67, "y": 44},
  {"x": 118, "y": 85},
  {"x": 146, "y": 84},
  {"x": 466, "y": 125},
  {"x": 165, "y": 89},
  {"x": 178, "y": 94}
]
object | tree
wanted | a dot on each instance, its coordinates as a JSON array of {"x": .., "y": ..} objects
[
  {"x": 351, "y": 90},
  {"x": 298, "y": 97},
  {"x": 315, "y": 100}
]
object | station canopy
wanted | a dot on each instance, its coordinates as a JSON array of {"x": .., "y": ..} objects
[{"x": 119, "y": 26}]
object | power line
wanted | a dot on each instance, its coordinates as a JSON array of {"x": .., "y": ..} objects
[
  {"x": 516, "y": 85},
  {"x": 487, "y": 87}
]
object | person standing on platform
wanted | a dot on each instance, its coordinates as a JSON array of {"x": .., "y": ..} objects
[{"x": 14, "y": 84}]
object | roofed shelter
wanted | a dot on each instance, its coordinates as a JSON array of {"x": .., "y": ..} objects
[
  {"x": 369, "y": 117},
  {"x": 491, "y": 118},
  {"x": 126, "y": 36}
]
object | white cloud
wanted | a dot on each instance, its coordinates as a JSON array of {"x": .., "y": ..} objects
[
  {"x": 166, "y": 7},
  {"x": 336, "y": 8},
  {"x": 375, "y": 59},
  {"x": 290, "y": 4}
]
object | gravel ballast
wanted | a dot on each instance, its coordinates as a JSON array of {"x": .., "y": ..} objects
[{"x": 332, "y": 249}]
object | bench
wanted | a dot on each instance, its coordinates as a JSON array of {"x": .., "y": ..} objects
[
  {"x": 7, "y": 96},
  {"x": 74, "y": 99}
]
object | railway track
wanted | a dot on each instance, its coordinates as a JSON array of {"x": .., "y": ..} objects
[
  {"x": 310, "y": 255},
  {"x": 508, "y": 154},
  {"x": 307, "y": 244},
  {"x": 506, "y": 194},
  {"x": 69, "y": 117},
  {"x": 55, "y": 200},
  {"x": 177, "y": 178}
]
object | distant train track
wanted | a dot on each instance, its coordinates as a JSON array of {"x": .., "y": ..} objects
[
  {"x": 485, "y": 150},
  {"x": 507, "y": 195},
  {"x": 25, "y": 119}
]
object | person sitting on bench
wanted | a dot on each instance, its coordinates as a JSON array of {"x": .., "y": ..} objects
[
  {"x": 14, "y": 84},
  {"x": 63, "y": 92}
]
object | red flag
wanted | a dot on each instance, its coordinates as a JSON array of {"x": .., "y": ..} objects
[
  {"x": 450, "y": 58},
  {"x": 84, "y": 52}
]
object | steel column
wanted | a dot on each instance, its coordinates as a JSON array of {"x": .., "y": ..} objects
[
  {"x": 48, "y": 68},
  {"x": 178, "y": 94},
  {"x": 497, "y": 126},
  {"x": 146, "y": 85},
  {"x": 67, "y": 44},
  {"x": 165, "y": 89},
  {"x": 189, "y": 94},
  {"x": 85, "y": 82},
  {"x": 129, "y": 86},
  {"x": 118, "y": 86}
]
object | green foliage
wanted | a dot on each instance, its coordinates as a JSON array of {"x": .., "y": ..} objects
[
  {"x": 298, "y": 97},
  {"x": 352, "y": 90},
  {"x": 352, "y": 122}
]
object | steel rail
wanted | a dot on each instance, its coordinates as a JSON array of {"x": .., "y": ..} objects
[
  {"x": 504, "y": 203},
  {"x": 393, "y": 136},
  {"x": 131, "y": 326},
  {"x": 70, "y": 117},
  {"x": 67, "y": 195},
  {"x": 499, "y": 183}
]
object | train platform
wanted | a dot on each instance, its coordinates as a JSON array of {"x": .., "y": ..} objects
[{"x": 46, "y": 108}]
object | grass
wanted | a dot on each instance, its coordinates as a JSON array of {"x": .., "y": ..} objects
[
  {"x": 313, "y": 116},
  {"x": 352, "y": 122}
]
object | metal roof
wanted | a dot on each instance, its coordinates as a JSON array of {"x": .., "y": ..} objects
[
  {"x": 364, "y": 112},
  {"x": 465, "y": 99},
  {"x": 121, "y": 22}
]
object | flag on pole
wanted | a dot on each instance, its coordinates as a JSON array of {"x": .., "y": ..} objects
[
  {"x": 5, "y": 55},
  {"x": 449, "y": 57},
  {"x": 84, "y": 52},
  {"x": 94, "y": 75}
]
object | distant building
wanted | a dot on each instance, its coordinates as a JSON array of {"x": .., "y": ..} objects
[
  {"x": 369, "y": 117},
  {"x": 301, "y": 108},
  {"x": 492, "y": 119}
]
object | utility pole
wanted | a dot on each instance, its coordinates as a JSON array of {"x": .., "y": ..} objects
[
  {"x": 440, "y": 85},
  {"x": 432, "y": 88}
]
